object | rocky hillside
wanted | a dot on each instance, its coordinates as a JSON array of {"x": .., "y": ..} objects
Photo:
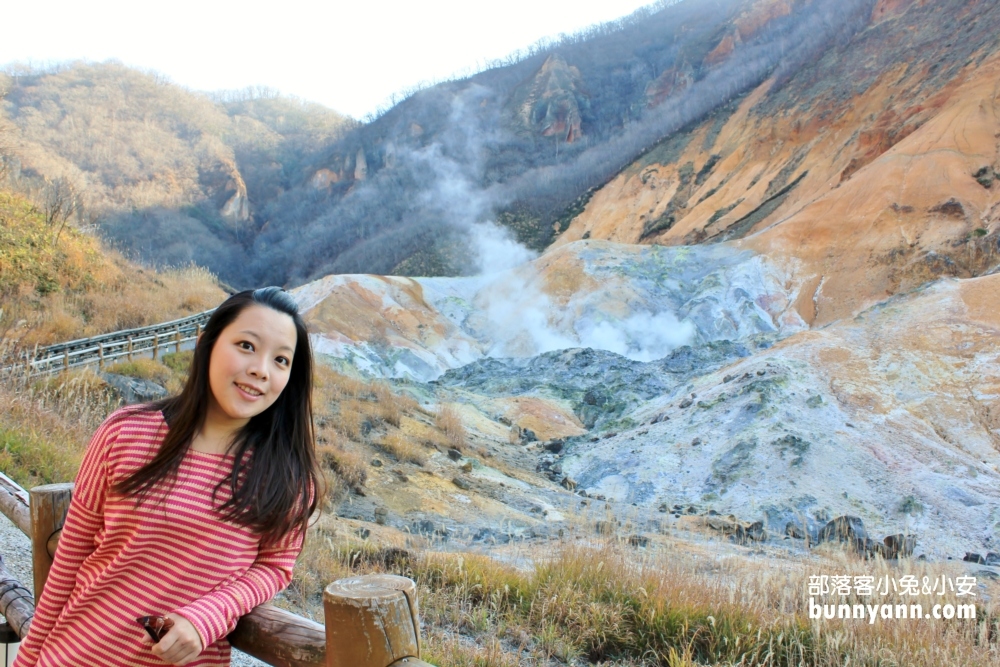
[
  {"x": 869, "y": 173},
  {"x": 663, "y": 377}
]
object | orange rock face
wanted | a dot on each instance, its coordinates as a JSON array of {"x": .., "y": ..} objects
[
  {"x": 859, "y": 197},
  {"x": 551, "y": 104},
  {"x": 747, "y": 25}
]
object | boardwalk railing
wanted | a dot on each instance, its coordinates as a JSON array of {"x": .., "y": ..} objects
[
  {"x": 371, "y": 621},
  {"x": 144, "y": 341}
]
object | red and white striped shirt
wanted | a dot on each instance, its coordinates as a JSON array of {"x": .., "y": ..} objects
[{"x": 116, "y": 561}]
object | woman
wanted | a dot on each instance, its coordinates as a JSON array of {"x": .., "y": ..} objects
[{"x": 194, "y": 507}]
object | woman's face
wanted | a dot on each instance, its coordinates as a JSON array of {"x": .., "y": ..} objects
[{"x": 250, "y": 364}]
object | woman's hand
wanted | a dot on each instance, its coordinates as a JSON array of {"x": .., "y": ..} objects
[{"x": 180, "y": 645}]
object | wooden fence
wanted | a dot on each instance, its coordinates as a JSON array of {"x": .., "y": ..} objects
[
  {"x": 370, "y": 621},
  {"x": 129, "y": 343}
]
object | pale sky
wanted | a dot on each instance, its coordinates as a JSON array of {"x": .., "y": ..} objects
[{"x": 349, "y": 56}]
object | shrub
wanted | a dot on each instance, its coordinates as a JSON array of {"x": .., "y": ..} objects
[
  {"x": 402, "y": 448},
  {"x": 447, "y": 420}
]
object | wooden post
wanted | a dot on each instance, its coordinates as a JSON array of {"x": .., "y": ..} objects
[
  {"x": 16, "y": 602},
  {"x": 130, "y": 348},
  {"x": 14, "y": 504},
  {"x": 66, "y": 360},
  {"x": 156, "y": 345},
  {"x": 49, "y": 505},
  {"x": 177, "y": 339},
  {"x": 100, "y": 356},
  {"x": 280, "y": 638},
  {"x": 372, "y": 621}
]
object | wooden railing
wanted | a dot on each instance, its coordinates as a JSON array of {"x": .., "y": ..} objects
[
  {"x": 144, "y": 341},
  {"x": 371, "y": 621}
]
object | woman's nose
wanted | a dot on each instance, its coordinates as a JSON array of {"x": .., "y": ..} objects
[{"x": 257, "y": 370}]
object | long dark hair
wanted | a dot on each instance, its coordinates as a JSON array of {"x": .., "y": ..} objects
[{"x": 275, "y": 482}]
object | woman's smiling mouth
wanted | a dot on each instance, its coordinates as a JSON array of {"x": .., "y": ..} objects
[{"x": 248, "y": 390}]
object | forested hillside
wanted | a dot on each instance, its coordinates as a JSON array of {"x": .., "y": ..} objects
[
  {"x": 169, "y": 175},
  {"x": 262, "y": 189}
]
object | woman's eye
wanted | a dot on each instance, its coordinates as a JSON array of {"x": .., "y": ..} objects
[
  {"x": 282, "y": 361},
  {"x": 246, "y": 345}
]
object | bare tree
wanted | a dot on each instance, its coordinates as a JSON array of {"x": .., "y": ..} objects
[{"x": 59, "y": 202}]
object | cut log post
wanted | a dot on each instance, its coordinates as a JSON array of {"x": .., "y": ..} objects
[
  {"x": 280, "y": 638},
  {"x": 66, "y": 360},
  {"x": 372, "y": 621},
  {"x": 130, "y": 348},
  {"x": 16, "y": 602},
  {"x": 14, "y": 504},
  {"x": 156, "y": 345},
  {"x": 49, "y": 505},
  {"x": 100, "y": 356},
  {"x": 177, "y": 339}
]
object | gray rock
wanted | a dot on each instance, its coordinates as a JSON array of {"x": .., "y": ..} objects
[
  {"x": 795, "y": 531},
  {"x": 554, "y": 446},
  {"x": 843, "y": 529},
  {"x": 638, "y": 540},
  {"x": 899, "y": 546},
  {"x": 134, "y": 390},
  {"x": 424, "y": 527},
  {"x": 867, "y": 547},
  {"x": 755, "y": 531},
  {"x": 461, "y": 483},
  {"x": 605, "y": 527},
  {"x": 490, "y": 535},
  {"x": 602, "y": 386}
]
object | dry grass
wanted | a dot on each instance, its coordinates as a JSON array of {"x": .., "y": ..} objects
[
  {"x": 154, "y": 371},
  {"x": 57, "y": 284},
  {"x": 613, "y": 605},
  {"x": 359, "y": 418},
  {"x": 450, "y": 423},
  {"x": 348, "y": 465},
  {"x": 45, "y": 424},
  {"x": 402, "y": 448}
]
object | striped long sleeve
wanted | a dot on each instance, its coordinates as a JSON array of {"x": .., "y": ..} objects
[
  {"x": 172, "y": 552},
  {"x": 76, "y": 542},
  {"x": 215, "y": 615}
]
